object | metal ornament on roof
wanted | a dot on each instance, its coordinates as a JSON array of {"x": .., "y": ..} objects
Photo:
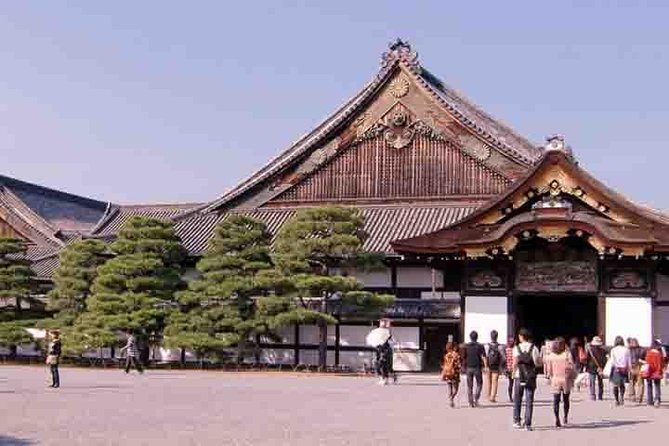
[{"x": 400, "y": 50}]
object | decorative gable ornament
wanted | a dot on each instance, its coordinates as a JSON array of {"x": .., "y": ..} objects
[
  {"x": 400, "y": 50},
  {"x": 399, "y": 128}
]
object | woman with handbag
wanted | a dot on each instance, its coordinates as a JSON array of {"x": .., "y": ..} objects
[
  {"x": 561, "y": 371},
  {"x": 53, "y": 358},
  {"x": 652, "y": 372},
  {"x": 621, "y": 363}
]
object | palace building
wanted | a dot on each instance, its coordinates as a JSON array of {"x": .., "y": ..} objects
[{"x": 480, "y": 228}]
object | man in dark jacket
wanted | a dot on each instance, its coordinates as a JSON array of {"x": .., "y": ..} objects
[
  {"x": 53, "y": 358},
  {"x": 474, "y": 361}
]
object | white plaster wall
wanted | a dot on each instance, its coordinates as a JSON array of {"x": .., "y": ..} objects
[
  {"x": 406, "y": 337},
  {"x": 404, "y": 361},
  {"x": 310, "y": 357},
  {"x": 174, "y": 354},
  {"x": 190, "y": 274},
  {"x": 353, "y": 336},
  {"x": 418, "y": 276},
  {"x": 277, "y": 356},
  {"x": 377, "y": 278},
  {"x": 356, "y": 360},
  {"x": 309, "y": 334},
  {"x": 662, "y": 287},
  {"x": 661, "y": 323},
  {"x": 484, "y": 314},
  {"x": 629, "y": 317},
  {"x": 443, "y": 295}
]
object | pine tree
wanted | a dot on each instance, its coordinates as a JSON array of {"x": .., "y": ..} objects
[
  {"x": 134, "y": 290},
  {"x": 219, "y": 309},
  {"x": 312, "y": 249},
  {"x": 16, "y": 284},
  {"x": 73, "y": 279}
]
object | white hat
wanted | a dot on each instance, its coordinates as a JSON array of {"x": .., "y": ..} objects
[{"x": 596, "y": 341}]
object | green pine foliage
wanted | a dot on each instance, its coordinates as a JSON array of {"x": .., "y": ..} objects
[
  {"x": 73, "y": 278},
  {"x": 221, "y": 308},
  {"x": 16, "y": 284},
  {"x": 312, "y": 249},
  {"x": 135, "y": 289}
]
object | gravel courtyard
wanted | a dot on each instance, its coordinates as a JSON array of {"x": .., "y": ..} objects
[{"x": 107, "y": 407}]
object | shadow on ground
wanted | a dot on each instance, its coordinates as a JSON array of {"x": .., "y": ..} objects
[
  {"x": 603, "y": 424},
  {"x": 6, "y": 440}
]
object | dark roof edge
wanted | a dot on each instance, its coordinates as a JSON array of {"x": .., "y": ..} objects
[{"x": 91, "y": 202}]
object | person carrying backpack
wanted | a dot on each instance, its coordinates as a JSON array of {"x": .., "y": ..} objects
[
  {"x": 526, "y": 359},
  {"x": 450, "y": 371},
  {"x": 474, "y": 358},
  {"x": 495, "y": 361}
]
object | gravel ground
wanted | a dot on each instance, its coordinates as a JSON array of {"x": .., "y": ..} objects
[{"x": 107, "y": 407}]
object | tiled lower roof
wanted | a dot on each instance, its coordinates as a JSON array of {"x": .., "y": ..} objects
[
  {"x": 111, "y": 225},
  {"x": 383, "y": 224}
]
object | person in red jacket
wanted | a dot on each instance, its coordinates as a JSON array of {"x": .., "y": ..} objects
[{"x": 652, "y": 372}]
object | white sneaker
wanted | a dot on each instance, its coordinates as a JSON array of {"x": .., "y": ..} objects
[{"x": 517, "y": 426}]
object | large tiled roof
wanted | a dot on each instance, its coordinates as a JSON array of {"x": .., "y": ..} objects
[
  {"x": 109, "y": 226},
  {"x": 499, "y": 135},
  {"x": 382, "y": 223}
]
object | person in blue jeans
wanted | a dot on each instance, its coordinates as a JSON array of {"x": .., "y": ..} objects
[
  {"x": 474, "y": 361},
  {"x": 526, "y": 359},
  {"x": 596, "y": 354}
]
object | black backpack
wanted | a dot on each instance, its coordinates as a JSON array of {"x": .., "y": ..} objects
[
  {"x": 527, "y": 369},
  {"x": 494, "y": 356}
]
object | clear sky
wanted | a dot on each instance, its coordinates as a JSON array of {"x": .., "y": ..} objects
[{"x": 177, "y": 101}]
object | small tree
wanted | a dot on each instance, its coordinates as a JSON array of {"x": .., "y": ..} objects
[
  {"x": 73, "y": 279},
  {"x": 312, "y": 249},
  {"x": 218, "y": 310},
  {"x": 16, "y": 284},
  {"x": 135, "y": 289}
]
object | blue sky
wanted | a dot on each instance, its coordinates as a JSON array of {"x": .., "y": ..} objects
[{"x": 177, "y": 101}]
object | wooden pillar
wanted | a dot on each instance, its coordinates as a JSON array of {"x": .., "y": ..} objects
[
  {"x": 296, "y": 352},
  {"x": 601, "y": 317},
  {"x": 393, "y": 277},
  {"x": 512, "y": 323},
  {"x": 336, "y": 352}
]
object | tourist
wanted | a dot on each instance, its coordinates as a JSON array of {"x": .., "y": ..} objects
[
  {"x": 636, "y": 386},
  {"x": 526, "y": 359},
  {"x": 653, "y": 371},
  {"x": 546, "y": 350},
  {"x": 450, "y": 371},
  {"x": 384, "y": 358},
  {"x": 621, "y": 366},
  {"x": 495, "y": 361},
  {"x": 53, "y": 358},
  {"x": 561, "y": 370},
  {"x": 595, "y": 366},
  {"x": 132, "y": 354},
  {"x": 508, "y": 365},
  {"x": 473, "y": 357}
]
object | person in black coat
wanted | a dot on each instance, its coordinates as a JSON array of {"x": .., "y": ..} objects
[{"x": 53, "y": 358}]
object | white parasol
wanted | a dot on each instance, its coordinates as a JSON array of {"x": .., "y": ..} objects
[
  {"x": 377, "y": 337},
  {"x": 36, "y": 333}
]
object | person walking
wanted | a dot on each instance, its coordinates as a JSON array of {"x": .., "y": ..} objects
[
  {"x": 473, "y": 357},
  {"x": 495, "y": 361},
  {"x": 384, "y": 358},
  {"x": 561, "y": 371},
  {"x": 451, "y": 368},
  {"x": 132, "y": 354},
  {"x": 621, "y": 366},
  {"x": 653, "y": 371},
  {"x": 596, "y": 361},
  {"x": 526, "y": 359},
  {"x": 53, "y": 358},
  {"x": 508, "y": 365},
  {"x": 636, "y": 386}
]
